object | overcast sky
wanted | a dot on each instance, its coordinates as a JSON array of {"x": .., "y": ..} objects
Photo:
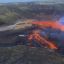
[{"x": 6, "y": 1}]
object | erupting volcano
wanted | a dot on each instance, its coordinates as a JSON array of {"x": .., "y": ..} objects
[{"x": 35, "y": 35}]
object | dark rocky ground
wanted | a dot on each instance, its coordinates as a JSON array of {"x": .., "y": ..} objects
[
  {"x": 25, "y": 55},
  {"x": 18, "y": 54}
]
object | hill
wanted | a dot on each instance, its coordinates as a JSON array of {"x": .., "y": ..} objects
[{"x": 12, "y": 12}]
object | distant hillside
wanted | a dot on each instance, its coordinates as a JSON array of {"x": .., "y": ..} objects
[{"x": 11, "y": 12}]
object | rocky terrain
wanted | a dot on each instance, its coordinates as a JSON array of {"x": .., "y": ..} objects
[
  {"x": 12, "y": 12},
  {"x": 25, "y": 55}
]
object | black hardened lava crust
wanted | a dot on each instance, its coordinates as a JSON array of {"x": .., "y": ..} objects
[{"x": 25, "y": 55}]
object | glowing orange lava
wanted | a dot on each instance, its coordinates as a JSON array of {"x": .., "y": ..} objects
[
  {"x": 36, "y": 36},
  {"x": 52, "y": 24}
]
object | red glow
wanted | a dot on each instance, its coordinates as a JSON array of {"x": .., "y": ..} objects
[
  {"x": 52, "y": 24},
  {"x": 35, "y": 35}
]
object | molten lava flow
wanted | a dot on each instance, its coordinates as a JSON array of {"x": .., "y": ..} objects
[
  {"x": 52, "y": 24},
  {"x": 36, "y": 36}
]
